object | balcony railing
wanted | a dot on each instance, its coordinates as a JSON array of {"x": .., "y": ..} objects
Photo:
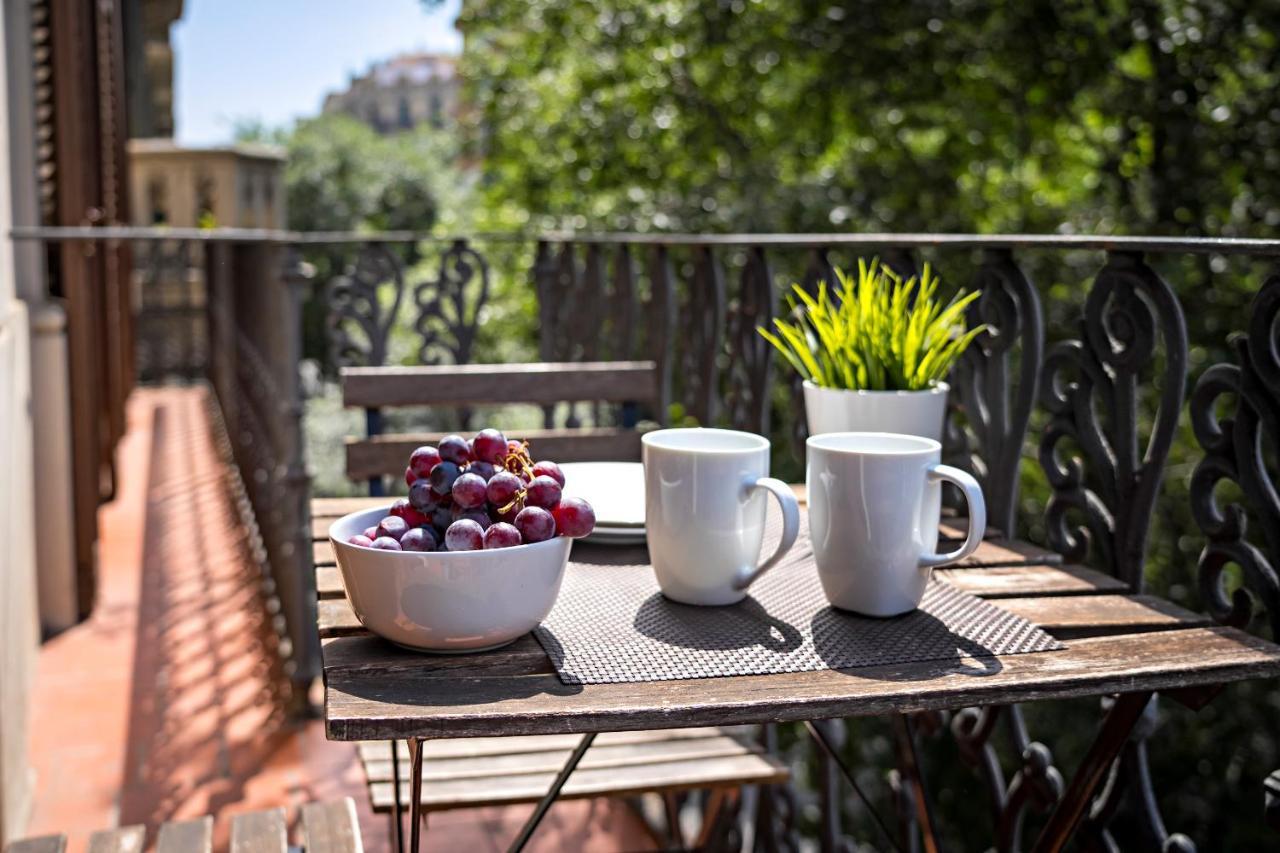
[{"x": 1123, "y": 415}]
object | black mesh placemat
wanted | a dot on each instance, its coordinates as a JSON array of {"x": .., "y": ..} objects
[{"x": 611, "y": 624}]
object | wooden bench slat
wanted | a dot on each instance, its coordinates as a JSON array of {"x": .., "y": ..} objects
[
  {"x": 335, "y": 618},
  {"x": 1073, "y": 616},
  {"x": 259, "y": 832},
  {"x": 124, "y": 839},
  {"x": 1005, "y": 552},
  {"x": 38, "y": 844},
  {"x": 329, "y": 582},
  {"x": 1022, "y": 581},
  {"x": 368, "y": 707},
  {"x": 728, "y": 771},
  {"x": 388, "y": 454},
  {"x": 187, "y": 836},
  {"x": 615, "y": 755},
  {"x": 331, "y": 827},
  {"x": 541, "y": 383},
  {"x": 483, "y": 747},
  {"x": 333, "y": 508}
]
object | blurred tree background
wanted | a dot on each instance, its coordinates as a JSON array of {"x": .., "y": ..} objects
[{"x": 1116, "y": 117}]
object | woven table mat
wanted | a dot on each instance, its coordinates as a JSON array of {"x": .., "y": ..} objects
[{"x": 611, "y": 624}]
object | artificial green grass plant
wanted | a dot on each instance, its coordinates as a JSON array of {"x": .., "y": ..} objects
[{"x": 871, "y": 335}]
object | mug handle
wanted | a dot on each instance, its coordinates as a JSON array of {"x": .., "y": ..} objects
[
  {"x": 790, "y": 528},
  {"x": 977, "y": 514}
]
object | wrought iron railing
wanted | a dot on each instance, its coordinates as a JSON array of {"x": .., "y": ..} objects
[{"x": 1079, "y": 385}]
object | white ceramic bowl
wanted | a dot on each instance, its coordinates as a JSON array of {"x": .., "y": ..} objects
[{"x": 459, "y": 601}]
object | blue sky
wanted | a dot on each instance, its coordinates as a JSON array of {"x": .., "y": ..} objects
[{"x": 274, "y": 60}]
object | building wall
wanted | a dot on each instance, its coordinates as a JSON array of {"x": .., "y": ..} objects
[
  {"x": 234, "y": 187},
  {"x": 389, "y": 98},
  {"x": 18, "y": 606}
]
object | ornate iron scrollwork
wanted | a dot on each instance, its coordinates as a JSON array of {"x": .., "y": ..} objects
[
  {"x": 1099, "y": 372},
  {"x": 354, "y": 303},
  {"x": 1234, "y": 452},
  {"x": 1091, "y": 388},
  {"x": 702, "y": 345},
  {"x": 1036, "y": 784},
  {"x": 750, "y": 373},
  {"x": 818, "y": 270},
  {"x": 996, "y": 410},
  {"x": 449, "y": 307}
]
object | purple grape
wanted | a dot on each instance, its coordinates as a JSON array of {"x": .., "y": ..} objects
[
  {"x": 370, "y": 533},
  {"x": 549, "y": 469},
  {"x": 422, "y": 460},
  {"x": 535, "y": 524},
  {"x": 418, "y": 539},
  {"x": 442, "y": 477},
  {"x": 542, "y": 491},
  {"x": 501, "y": 535},
  {"x": 464, "y": 535},
  {"x": 490, "y": 446},
  {"x": 442, "y": 517},
  {"x": 503, "y": 488},
  {"x": 454, "y": 448},
  {"x": 421, "y": 496},
  {"x": 386, "y": 543},
  {"x": 468, "y": 491},
  {"x": 393, "y": 527},
  {"x": 361, "y": 540},
  {"x": 476, "y": 514},
  {"x": 574, "y": 517},
  {"x": 483, "y": 470}
]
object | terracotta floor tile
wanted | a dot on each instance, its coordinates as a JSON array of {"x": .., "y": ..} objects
[{"x": 164, "y": 704}]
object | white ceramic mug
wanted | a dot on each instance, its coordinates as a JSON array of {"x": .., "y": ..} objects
[
  {"x": 705, "y": 510},
  {"x": 874, "y": 504}
]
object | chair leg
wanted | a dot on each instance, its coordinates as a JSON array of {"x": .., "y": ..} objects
[
  {"x": 675, "y": 833},
  {"x": 719, "y": 803}
]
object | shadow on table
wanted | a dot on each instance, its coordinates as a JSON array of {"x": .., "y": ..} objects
[
  {"x": 840, "y": 639},
  {"x": 742, "y": 626}
]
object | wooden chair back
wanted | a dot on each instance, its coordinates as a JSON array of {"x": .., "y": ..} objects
[{"x": 635, "y": 384}]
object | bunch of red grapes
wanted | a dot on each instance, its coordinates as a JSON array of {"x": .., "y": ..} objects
[{"x": 484, "y": 493}]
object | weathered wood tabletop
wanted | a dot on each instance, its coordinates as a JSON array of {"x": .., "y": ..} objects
[{"x": 1117, "y": 642}]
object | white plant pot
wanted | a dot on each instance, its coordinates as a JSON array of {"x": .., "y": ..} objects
[{"x": 919, "y": 413}]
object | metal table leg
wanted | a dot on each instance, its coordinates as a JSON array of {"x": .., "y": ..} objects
[
  {"x": 415, "y": 791},
  {"x": 818, "y": 735},
  {"x": 397, "y": 810},
  {"x": 1115, "y": 731},
  {"x": 550, "y": 797},
  {"x": 909, "y": 756}
]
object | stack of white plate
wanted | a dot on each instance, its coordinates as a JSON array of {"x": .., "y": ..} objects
[{"x": 615, "y": 491}]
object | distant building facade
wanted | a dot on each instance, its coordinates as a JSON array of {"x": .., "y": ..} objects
[
  {"x": 402, "y": 93},
  {"x": 236, "y": 186}
]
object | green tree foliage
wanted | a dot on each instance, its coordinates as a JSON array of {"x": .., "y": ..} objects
[
  {"x": 798, "y": 114},
  {"x": 342, "y": 176}
]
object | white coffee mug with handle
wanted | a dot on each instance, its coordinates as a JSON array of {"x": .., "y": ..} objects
[
  {"x": 705, "y": 493},
  {"x": 875, "y": 500}
]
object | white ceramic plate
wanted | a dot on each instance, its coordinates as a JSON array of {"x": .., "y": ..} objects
[
  {"x": 617, "y": 536},
  {"x": 615, "y": 491}
]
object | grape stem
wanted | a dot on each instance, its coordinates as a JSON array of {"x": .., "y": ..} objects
[{"x": 518, "y": 462}]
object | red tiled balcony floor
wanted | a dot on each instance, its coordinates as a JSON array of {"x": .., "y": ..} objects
[{"x": 163, "y": 705}]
